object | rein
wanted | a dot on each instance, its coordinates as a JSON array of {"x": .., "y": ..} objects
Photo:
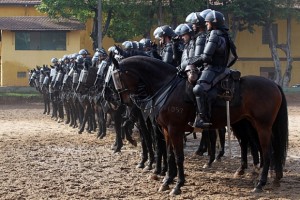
[{"x": 158, "y": 98}]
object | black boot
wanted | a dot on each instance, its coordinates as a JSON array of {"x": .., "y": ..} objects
[{"x": 202, "y": 119}]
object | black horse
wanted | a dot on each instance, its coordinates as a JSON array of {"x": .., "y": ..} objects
[{"x": 262, "y": 103}]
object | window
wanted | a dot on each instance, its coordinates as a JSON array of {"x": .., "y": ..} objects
[
  {"x": 21, "y": 74},
  {"x": 267, "y": 72},
  {"x": 35, "y": 40},
  {"x": 265, "y": 34}
]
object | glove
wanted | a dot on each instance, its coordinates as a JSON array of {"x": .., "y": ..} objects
[{"x": 195, "y": 60}]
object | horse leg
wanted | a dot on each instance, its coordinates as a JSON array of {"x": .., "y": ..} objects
[
  {"x": 148, "y": 139},
  {"x": 265, "y": 143},
  {"x": 67, "y": 110},
  {"x": 161, "y": 153},
  {"x": 85, "y": 118},
  {"x": 101, "y": 122},
  {"x": 203, "y": 144},
  {"x": 144, "y": 152},
  {"x": 45, "y": 103},
  {"x": 177, "y": 143},
  {"x": 255, "y": 155},
  {"x": 221, "y": 133},
  {"x": 48, "y": 103},
  {"x": 212, "y": 140},
  {"x": 244, "y": 161},
  {"x": 60, "y": 111},
  {"x": 172, "y": 169},
  {"x": 118, "y": 122}
]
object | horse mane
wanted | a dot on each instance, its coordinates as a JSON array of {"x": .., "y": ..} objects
[
  {"x": 152, "y": 72},
  {"x": 150, "y": 64}
]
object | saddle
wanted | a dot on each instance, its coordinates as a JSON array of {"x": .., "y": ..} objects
[{"x": 227, "y": 89}]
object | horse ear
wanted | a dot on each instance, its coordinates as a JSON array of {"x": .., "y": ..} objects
[{"x": 38, "y": 67}]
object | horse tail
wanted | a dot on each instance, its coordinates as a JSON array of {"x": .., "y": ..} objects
[{"x": 281, "y": 132}]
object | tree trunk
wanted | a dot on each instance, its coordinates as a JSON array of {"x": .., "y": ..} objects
[
  {"x": 289, "y": 60},
  {"x": 274, "y": 54},
  {"x": 160, "y": 13},
  {"x": 108, "y": 19}
]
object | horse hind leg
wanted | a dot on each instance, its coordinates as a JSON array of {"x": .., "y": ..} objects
[{"x": 265, "y": 143}]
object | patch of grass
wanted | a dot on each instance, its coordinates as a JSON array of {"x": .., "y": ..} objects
[{"x": 11, "y": 94}]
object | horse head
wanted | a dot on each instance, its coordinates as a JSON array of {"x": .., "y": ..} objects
[{"x": 141, "y": 76}]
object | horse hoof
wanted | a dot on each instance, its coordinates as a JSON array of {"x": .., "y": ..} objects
[
  {"x": 140, "y": 166},
  {"x": 153, "y": 177},
  {"x": 80, "y": 132},
  {"x": 206, "y": 166},
  {"x": 217, "y": 160},
  {"x": 148, "y": 168},
  {"x": 117, "y": 150},
  {"x": 238, "y": 174},
  {"x": 175, "y": 192},
  {"x": 276, "y": 183},
  {"x": 164, "y": 188},
  {"x": 133, "y": 142},
  {"x": 198, "y": 153},
  {"x": 257, "y": 190},
  {"x": 102, "y": 136}
]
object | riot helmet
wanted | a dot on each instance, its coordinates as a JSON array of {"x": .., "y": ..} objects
[
  {"x": 113, "y": 49},
  {"x": 95, "y": 58},
  {"x": 182, "y": 29},
  {"x": 195, "y": 18},
  {"x": 84, "y": 52},
  {"x": 216, "y": 18},
  {"x": 101, "y": 52},
  {"x": 137, "y": 45},
  {"x": 54, "y": 60},
  {"x": 79, "y": 59},
  {"x": 161, "y": 31},
  {"x": 127, "y": 45},
  {"x": 146, "y": 42}
]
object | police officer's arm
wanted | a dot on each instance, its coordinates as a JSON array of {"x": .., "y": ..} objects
[
  {"x": 168, "y": 55},
  {"x": 209, "y": 50}
]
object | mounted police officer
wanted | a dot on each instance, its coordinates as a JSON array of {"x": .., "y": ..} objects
[
  {"x": 149, "y": 48},
  {"x": 185, "y": 31},
  {"x": 197, "y": 19},
  {"x": 99, "y": 56},
  {"x": 165, "y": 34},
  {"x": 86, "y": 58},
  {"x": 214, "y": 58}
]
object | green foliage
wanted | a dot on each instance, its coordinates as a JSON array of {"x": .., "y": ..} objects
[{"x": 78, "y": 9}]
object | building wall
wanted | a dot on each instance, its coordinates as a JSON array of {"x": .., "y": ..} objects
[
  {"x": 253, "y": 55},
  {"x": 14, "y": 61},
  {"x": 8, "y": 11}
]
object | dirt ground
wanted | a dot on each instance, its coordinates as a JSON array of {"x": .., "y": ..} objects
[{"x": 43, "y": 159}]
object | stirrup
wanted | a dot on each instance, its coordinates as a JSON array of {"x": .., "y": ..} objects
[{"x": 200, "y": 124}]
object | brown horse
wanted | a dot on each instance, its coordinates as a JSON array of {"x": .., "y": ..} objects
[{"x": 263, "y": 105}]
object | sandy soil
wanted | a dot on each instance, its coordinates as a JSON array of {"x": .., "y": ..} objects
[{"x": 43, "y": 159}]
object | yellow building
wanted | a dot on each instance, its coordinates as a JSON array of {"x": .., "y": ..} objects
[
  {"x": 29, "y": 38},
  {"x": 255, "y": 56}
]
